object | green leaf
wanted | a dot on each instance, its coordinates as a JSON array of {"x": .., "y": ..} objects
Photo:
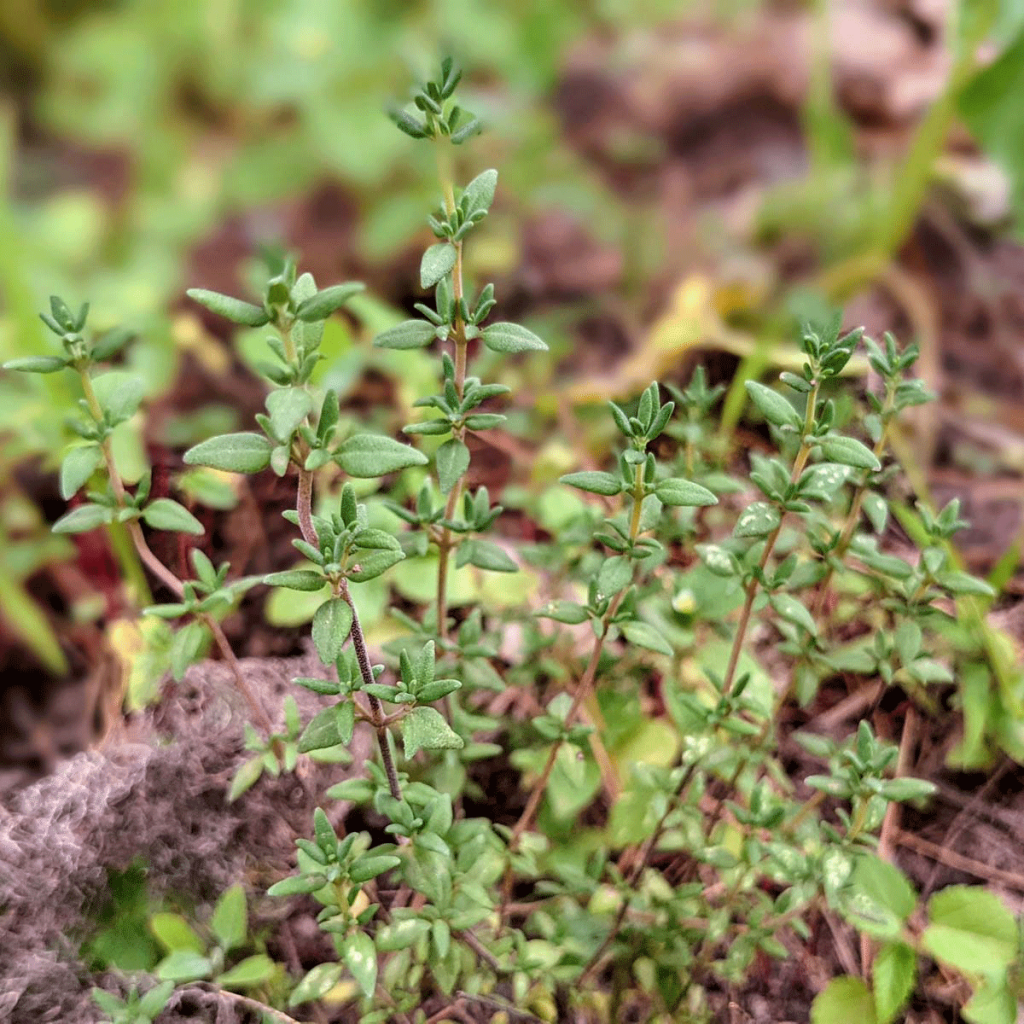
[
  {"x": 295, "y": 579},
  {"x": 407, "y": 334},
  {"x": 438, "y": 262},
  {"x": 156, "y": 998},
  {"x": 615, "y": 574},
  {"x": 903, "y": 789},
  {"x": 957, "y": 582},
  {"x": 970, "y": 930},
  {"x": 373, "y": 564},
  {"x": 878, "y": 899},
  {"x": 684, "y": 492},
  {"x": 877, "y": 511},
  {"x": 36, "y": 364},
  {"x": 108, "y": 1002},
  {"x": 331, "y": 625},
  {"x": 370, "y": 455},
  {"x": 167, "y": 514},
  {"x": 79, "y": 464},
  {"x": 236, "y": 453},
  {"x": 645, "y": 635},
  {"x": 452, "y": 463},
  {"x": 508, "y": 337},
  {"x": 288, "y": 407},
  {"x": 184, "y": 965},
  {"x": 321, "y": 732},
  {"x": 174, "y": 933},
  {"x": 360, "y": 956},
  {"x": 757, "y": 520},
  {"x": 83, "y": 519},
  {"x": 245, "y": 778},
  {"x": 894, "y": 976},
  {"x": 484, "y": 555},
  {"x": 316, "y": 984},
  {"x": 843, "y": 1001},
  {"x": 186, "y": 647},
  {"x": 119, "y": 394},
  {"x": 792, "y": 610},
  {"x": 235, "y": 310},
  {"x": 297, "y": 885},
  {"x": 773, "y": 406},
  {"x": 569, "y": 612},
  {"x": 365, "y": 868},
  {"x": 253, "y": 970},
  {"x": 426, "y": 729},
  {"x": 594, "y": 482},
  {"x": 230, "y": 920},
  {"x": 328, "y": 301},
  {"x": 478, "y": 195},
  {"x": 849, "y": 452}
]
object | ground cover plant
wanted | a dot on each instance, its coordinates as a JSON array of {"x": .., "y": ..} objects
[{"x": 704, "y": 856}]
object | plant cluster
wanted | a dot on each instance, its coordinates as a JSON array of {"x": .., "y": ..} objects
[{"x": 708, "y": 857}]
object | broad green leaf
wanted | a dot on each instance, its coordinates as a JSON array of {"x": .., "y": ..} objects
[
  {"x": 401, "y": 934},
  {"x": 79, "y": 464},
  {"x": 253, "y": 970},
  {"x": 684, "y": 492},
  {"x": 452, "y": 463},
  {"x": 167, "y": 514},
  {"x": 792, "y": 610},
  {"x": 878, "y": 899},
  {"x": 288, "y": 407},
  {"x": 479, "y": 193},
  {"x": 849, "y": 452},
  {"x": 645, "y": 635},
  {"x": 616, "y": 574},
  {"x": 893, "y": 978},
  {"x": 426, "y": 729},
  {"x": 296, "y": 579},
  {"x": 757, "y": 520},
  {"x": 175, "y": 933},
  {"x": 371, "y": 565},
  {"x": 328, "y": 301},
  {"x": 773, "y": 406},
  {"x": 83, "y": 519},
  {"x": 331, "y": 625},
  {"x": 407, "y": 334},
  {"x": 970, "y": 930},
  {"x": 360, "y": 956},
  {"x": 438, "y": 261},
  {"x": 235, "y": 310},
  {"x": 321, "y": 732},
  {"x": 119, "y": 394},
  {"x": 508, "y": 337},
  {"x": 184, "y": 965},
  {"x": 370, "y": 455},
  {"x": 236, "y": 453},
  {"x": 230, "y": 920},
  {"x": 594, "y": 482},
  {"x": 316, "y": 984},
  {"x": 844, "y": 1001},
  {"x": 36, "y": 364}
]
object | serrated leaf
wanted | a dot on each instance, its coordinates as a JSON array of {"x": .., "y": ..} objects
[
  {"x": 684, "y": 492},
  {"x": 331, "y": 625},
  {"x": 235, "y": 453},
  {"x": 370, "y": 455},
  {"x": 235, "y": 310},
  {"x": 360, "y": 957},
  {"x": 438, "y": 262},
  {"x": 645, "y": 635},
  {"x": 426, "y": 729},
  {"x": 252, "y": 971},
  {"x": 849, "y": 452},
  {"x": 452, "y": 462},
  {"x": 407, "y": 334},
  {"x": 594, "y": 482},
  {"x": 316, "y": 984},
  {"x": 167, "y": 514},
  {"x": 509, "y": 337},
  {"x": 83, "y": 518},
  {"x": 230, "y": 920},
  {"x": 773, "y": 406},
  {"x": 79, "y": 464}
]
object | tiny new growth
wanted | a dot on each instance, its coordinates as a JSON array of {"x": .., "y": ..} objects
[{"x": 601, "y": 795}]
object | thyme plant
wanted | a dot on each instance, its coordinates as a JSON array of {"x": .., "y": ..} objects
[{"x": 701, "y": 857}]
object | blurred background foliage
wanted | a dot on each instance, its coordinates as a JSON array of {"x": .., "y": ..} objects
[{"x": 676, "y": 177}]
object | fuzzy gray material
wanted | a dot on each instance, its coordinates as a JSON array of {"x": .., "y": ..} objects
[{"x": 156, "y": 793}]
